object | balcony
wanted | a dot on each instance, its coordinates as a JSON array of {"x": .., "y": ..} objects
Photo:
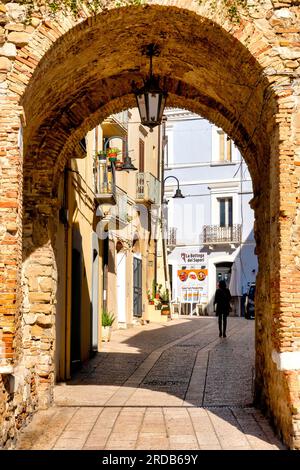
[
  {"x": 147, "y": 188},
  {"x": 116, "y": 124},
  {"x": 104, "y": 179},
  {"x": 121, "y": 208},
  {"x": 216, "y": 235},
  {"x": 172, "y": 236}
]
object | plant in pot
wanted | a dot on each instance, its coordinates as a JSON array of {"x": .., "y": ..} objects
[
  {"x": 150, "y": 299},
  {"x": 108, "y": 319},
  {"x": 153, "y": 289},
  {"x": 158, "y": 287},
  {"x": 157, "y": 304},
  {"x": 112, "y": 153},
  {"x": 101, "y": 154},
  {"x": 164, "y": 296},
  {"x": 165, "y": 309}
]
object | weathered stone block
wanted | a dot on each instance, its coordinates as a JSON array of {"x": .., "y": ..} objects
[
  {"x": 18, "y": 38},
  {"x": 16, "y": 11},
  {"x": 46, "y": 284},
  {"x": 45, "y": 320},
  {"x": 14, "y": 27},
  {"x": 8, "y": 50},
  {"x": 41, "y": 308},
  {"x": 39, "y": 297},
  {"x": 5, "y": 64},
  {"x": 30, "y": 319}
]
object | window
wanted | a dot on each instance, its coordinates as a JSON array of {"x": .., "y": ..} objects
[
  {"x": 223, "y": 150},
  {"x": 225, "y": 147},
  {"x": 141, "y": 156},
  {"x": 82, "y": 144},
  {"x": 225, "y": 211}
]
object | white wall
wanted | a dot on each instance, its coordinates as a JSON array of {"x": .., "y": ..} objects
[{"x": 193, "y": 159}]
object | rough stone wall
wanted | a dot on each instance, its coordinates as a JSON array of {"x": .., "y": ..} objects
[{"x": 60, "y": 79}]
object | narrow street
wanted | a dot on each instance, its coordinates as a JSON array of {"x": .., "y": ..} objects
[{"x": 170, "y": 386}]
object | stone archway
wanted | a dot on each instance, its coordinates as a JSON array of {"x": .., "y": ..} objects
[{"x": 65, "y": 78}]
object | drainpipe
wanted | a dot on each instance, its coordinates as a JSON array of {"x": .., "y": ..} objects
[
  {"x": 164, "y": 245},
  {"x": 159, "y": 177}
]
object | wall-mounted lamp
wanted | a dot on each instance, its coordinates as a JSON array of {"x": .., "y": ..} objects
[
  {"x": 178, "y": 194},
  {"x": 127, "y": 163}
]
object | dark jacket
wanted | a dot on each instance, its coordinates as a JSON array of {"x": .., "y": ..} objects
[{"x": 222, "y": 299}]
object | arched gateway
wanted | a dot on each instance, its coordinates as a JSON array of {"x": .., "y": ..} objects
[{"x": 58, "y": 79}]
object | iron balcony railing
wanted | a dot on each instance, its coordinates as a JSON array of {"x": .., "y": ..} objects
[
  {"x": 216, "y": 234},
  {"x": 119, "y": 119},
  {"x": 121, "y": 208},
  {"x": 104, "y": 181},
  {"x": 172, "y": 236},
  {"x": 147, "y": 188}
]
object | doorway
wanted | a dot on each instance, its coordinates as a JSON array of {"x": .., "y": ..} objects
[
  {"x": 223, "y": 272},
  {"x": 137, "y": 287},
  {"x": 95, "y": 294},
  {"x": 76, "y": 311},
  {"x": 121, "y": 288}
]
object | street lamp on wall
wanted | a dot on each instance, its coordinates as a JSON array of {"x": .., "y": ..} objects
[
  {"x": 151, "y": 99},
  {"x": 127, "y": 163},
  {"x": 178, "y": 194}
]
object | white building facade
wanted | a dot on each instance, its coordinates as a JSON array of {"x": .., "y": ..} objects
[{"x": 214, "y": 218}]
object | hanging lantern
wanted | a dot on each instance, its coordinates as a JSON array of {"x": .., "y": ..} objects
[{"x": 151, "y": 99}]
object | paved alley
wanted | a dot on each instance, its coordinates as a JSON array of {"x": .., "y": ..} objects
[{"x": 171, "y": 386}]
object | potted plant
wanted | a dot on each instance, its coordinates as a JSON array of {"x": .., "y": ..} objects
[
  {"x": 164, "y": 296},
  {"x": 101, "y": 155},
  {"x": 150, "y": 299},
  {"x": 165, "y": 310},
  {"x": 153, "y": 289},
  {"x": 157, "y": 304},
  {"x": 157, "y": 295},
  {"x": 108, "y": 319},
  {"x": 113, "y": 153}
]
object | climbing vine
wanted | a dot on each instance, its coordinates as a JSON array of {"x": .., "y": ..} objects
[
  {"x": 75, "y": 7},
  {"x": 233, "y": 8}
]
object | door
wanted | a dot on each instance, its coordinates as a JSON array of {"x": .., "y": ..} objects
[
  {"x": 137, "y": 287},
  {"x": 121, "y": 286},
  {"x": 76, "y": 310},
  {"x": 223, "y": 272},
  {"x": 95, "y": 294}
]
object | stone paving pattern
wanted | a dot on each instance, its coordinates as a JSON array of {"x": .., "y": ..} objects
[{"x": 171, "y": 386}]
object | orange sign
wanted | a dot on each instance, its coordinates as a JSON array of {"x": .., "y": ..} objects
[
  {"x": 192, "y": 275},
  {"x": 192, "y": 285}
]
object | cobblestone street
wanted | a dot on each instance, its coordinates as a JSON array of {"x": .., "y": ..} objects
[{"x": 170, "y": 386}]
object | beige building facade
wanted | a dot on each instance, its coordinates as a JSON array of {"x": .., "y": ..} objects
[{"x": 104, "y": 247}]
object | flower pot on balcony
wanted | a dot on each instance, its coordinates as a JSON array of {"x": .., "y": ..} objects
[
  {"x": 102, "y": 155},
  {"x": 112, "y": 154}
]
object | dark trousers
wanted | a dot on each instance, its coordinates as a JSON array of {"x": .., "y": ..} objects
[{"x": 222, "y": 319}]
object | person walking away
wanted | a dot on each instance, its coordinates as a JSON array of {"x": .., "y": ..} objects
[{"x": 222, "y": 302}]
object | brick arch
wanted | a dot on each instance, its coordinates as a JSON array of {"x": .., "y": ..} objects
[
  {"x": 68, "y": 77},
  {"x": 73, "y": 82}
]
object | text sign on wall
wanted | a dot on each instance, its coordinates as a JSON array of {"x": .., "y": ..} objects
[{"x": 192, "y": 257}]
